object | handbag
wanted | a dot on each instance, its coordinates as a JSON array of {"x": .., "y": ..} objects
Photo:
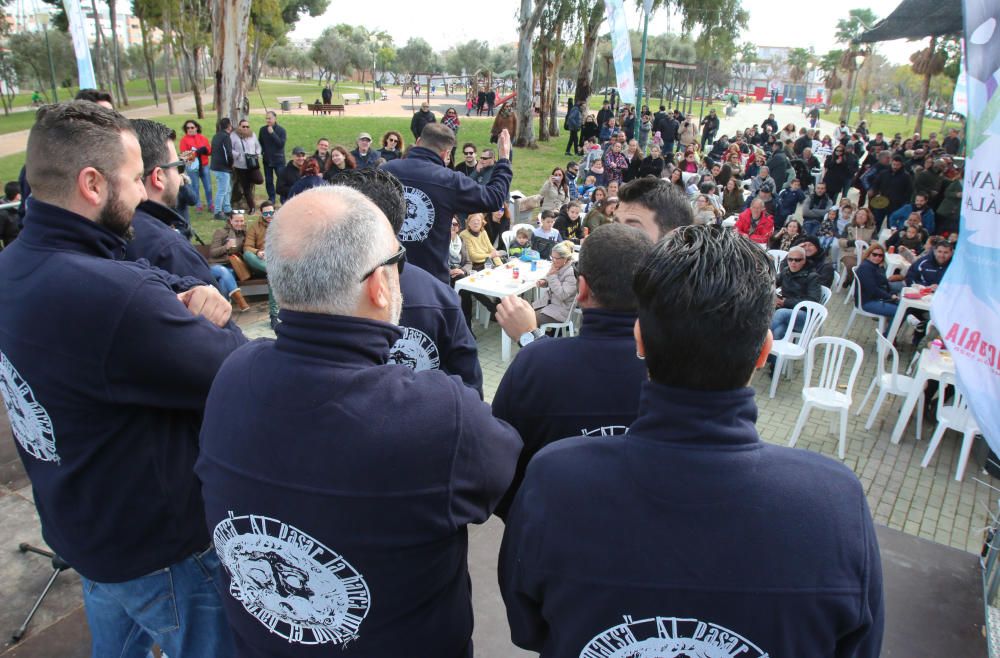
[
  {"x": 879, "y": 201},
  {"x": 240, "y": 268},
  {"x": 256, "y": 175}
]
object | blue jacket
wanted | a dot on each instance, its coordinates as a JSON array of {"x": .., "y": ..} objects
[
  {"x": 111, "y": 373},
  {"x": 272, "y": 145},
  {"x": 873, "y": 281},
  {"x": 788, "y": 201},
  {"x": 584, "y": 385},
  {"x": 366, "y": 161},
  {"x": 898, "y": 219},
  {"x": 434, "y": 194},
  {"x": 926, "y": 271},
  {"x": 162, "y": 246},
  {"x": 435, "y": 335},
  {"x": 691, "y": 533},
  {"x": 351, "y": 539}
]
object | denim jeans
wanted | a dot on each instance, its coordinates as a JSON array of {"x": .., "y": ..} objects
[
  {"x": 780, "y": 320},
  {"x": 223, "y": 193},
  {"x": 199, "y": 178},
  {"x": 224, "y": 275},
  {"x": 810, "y": 226},
  {"x": 179, "y": 608},
  {"x": 880, "y": 307}
]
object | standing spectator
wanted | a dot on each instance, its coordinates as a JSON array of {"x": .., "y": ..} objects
[
  {"x": 154, "y": 237},
  {"x": 555, "y": 191},
  {"x": 221, "y": 164},
  {"x": 392, "y": 146},
  {"x": 705, "y": 300},
  {"x": 121, "y": 384},
  {"x": 709, "y": 127},
  {"x": 246, "y": 166},
  {"x": 896, "y": 185},
  {"x": 291, "y": 173},
  {"x": 415, "y": 482},
  {"x": 601, "y": 359},
  {"x": 226, "y": 243},
  {"x": 645, "y": 128},
  {"x": 946, "y": 219},
  {"x": 615, "y": 163},
  {"x": 327, "y": 94},
  {"x": 778, "y": 166},
  {"x": 604, "y": 113},
  {"x": 272, "y": 142},
  {"x": 198, "y": 167},
  {"x": 9, "y": 225},
  {"x": 573, "y": 123},
  {"x": 952, "y": 144},
  {"x": 840, "y": 168},
  {"x": 755, "y": 223},
  {"x": 451, "y": 120},
  {"x": 435, "y": 194},
  {"x": 491, "y": 101},
  {"x": 364, "y": 156},
  {"x": 421, "y": 118},
  {"x": 687, "y": 134}
]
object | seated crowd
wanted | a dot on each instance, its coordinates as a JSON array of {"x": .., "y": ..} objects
[{"x": 336, "y": 515}]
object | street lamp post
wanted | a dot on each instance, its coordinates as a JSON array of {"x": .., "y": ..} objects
[{"x": 805, "y": 88}]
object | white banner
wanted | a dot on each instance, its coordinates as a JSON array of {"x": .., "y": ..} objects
[
  {"x": 81, "y": 45},
  {"x": 621, "y": 50},
  {"x": 966, "y": 307}
]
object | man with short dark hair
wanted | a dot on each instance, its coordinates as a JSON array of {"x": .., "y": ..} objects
[
  {"x": 653, "y": 206},
  {"x": 709, "y": 127},
  {"x": 221, "y": 166},
  {"x": 106, "y": 403},
  {"x": 155, "y": 223},
  {"x": 603, "y": 400},
  {"x": 272, "y": 138},
  {"x": 771, "y": 122},
  {"x": 352, "y": 535},
  {"x": 814, "y": 209},
  {"x": 435, "y": 194},
  {"x": 669, "y": 577},
  {"x": 897, "y": 220},
  {"x": 896, "y": 184},
  {"x": 435, "y": 334},
  {"x": 469, "y": 164},
  {"x": 290, "y": 173}
]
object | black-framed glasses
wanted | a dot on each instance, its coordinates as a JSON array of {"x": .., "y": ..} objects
[
  {"x": 876, "y": 253},
  {"x": 190, "y": 127},
  {"x": 794, "y": 260},
  {"x": 398, "y": 259},
  {"x": 180, "y": 165},
  {"x": 470, "y": 152}
]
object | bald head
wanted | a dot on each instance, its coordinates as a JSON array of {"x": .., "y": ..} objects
[{"x": 321, "y": 244}]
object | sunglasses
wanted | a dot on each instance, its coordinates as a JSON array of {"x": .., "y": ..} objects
[
  {"x": 469, "y": 152},
  {"x": 876, "y": 253},
  {"x": 267, "y": 213},
  {"x": 398, "y": 259},
  {"x": 180, "y": 165},
  {"x": 456, "y": 224},
  {"x": 795, "y": 260},
  {"x": 190, "y": 128},
  {"x": 392, "y": 140}
]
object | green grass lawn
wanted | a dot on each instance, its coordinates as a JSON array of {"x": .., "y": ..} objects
[
  {"x": 890, "y": 124},
  {"x": 531, "y": 166}
]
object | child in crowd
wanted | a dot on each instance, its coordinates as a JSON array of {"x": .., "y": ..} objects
[
  {"x": 521, "y": 243},
  {"x": 568, "y": 222},
  {"x": 547, "y": 231},
  {"x": 588, "y": 186}
]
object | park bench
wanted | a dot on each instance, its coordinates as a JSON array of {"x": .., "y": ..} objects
[
  {"x": 325, "y": 108},
  {"x": 256, "y": 285},
  {"x": 352, "y": 97},
  {"x": 286, "y": 101}
]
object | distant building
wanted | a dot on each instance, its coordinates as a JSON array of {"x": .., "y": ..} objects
[
  {"x": 771, "y": 72},
  {"x": 129, "y": 32}
]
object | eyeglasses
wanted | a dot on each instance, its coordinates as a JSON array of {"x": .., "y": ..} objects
[
  {"x": 455, "y": 224},
  {"x": 876, "y": 253},
  {"x": 267, "y": 213},
  {"x": 794, "y": 260},
  {"x": 398, "y": 259},
  {"x": 392, "y": 140},
  {"x": 180, "y": 165},
  {"x": 244, "y": 125},
  {"x": 190, "y": 128},
  {"x": 486, "y": 157},
  {"x": 469, "y": 152}
]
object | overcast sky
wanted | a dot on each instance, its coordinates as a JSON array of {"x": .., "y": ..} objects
[{"x": 794, "y": 23}]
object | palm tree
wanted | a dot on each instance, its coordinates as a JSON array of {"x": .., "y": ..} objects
[
  {"x": 799, "y": 60},
  {"x": 928, "y": 63},
  {"x": 828, "y": 64},
  {"x": 849, "y": 29}
]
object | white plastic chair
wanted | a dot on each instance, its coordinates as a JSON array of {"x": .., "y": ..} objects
[
  {"x": 858, "y": 311},
  {"x": 955, "y": 416},
  {"x": 560, "y": 327},
  {"x": 793, "y": 345},
  {"x": 826, "y": 396},
  {"x": 890, "y": 382},
  {"x": 859, "y": 248},
  {"x": 837, "y": 278},
  {"x": 777, "y": 255},
  {"x": 825, "y": 295}
]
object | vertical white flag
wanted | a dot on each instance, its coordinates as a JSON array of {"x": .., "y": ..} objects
[
  {"x": 966, "y": 307},
  {"x": 81, "y": 45}
]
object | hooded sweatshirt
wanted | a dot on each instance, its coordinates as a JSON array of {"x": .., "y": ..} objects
[{"x": 163, "y": 247}]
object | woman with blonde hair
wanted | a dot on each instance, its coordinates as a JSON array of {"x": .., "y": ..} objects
[
  {"x": 862, "y": 227},
  {"x": 477, "y": 242},
  {"x": 560, "y": 281}
]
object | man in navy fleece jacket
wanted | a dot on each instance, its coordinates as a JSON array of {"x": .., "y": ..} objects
[
  {"x": 689, "y": 534},
  {"x": 588, "y": 384},
  {"x": 340, "y": 507},
  {"x": 104, "y": 373}
]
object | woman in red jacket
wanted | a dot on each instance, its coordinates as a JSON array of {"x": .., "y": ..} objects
[{"x": 197, "y": 167}]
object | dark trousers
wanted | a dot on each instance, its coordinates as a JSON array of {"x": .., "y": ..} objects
[
  {"x": 880, "y": 216},
  {"x": 270, "y": 174},
  {"x": 707, "y": 138},
  {"x": 573, "y": 145},
  {"x": 243, "y": 189}
]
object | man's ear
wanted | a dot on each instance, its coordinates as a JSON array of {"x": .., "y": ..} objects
[
  {"x": 91, "y": 184},
  {"x": 583, "y": 291}
]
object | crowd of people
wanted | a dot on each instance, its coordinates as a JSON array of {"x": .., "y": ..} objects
[{"x": 336, "y": 513}]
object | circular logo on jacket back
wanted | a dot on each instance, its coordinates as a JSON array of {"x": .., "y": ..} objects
[
  {"x": 416, "y": 350},
  {"x": 669, "y": 637},
  {"x": 419, "y": 215},
  {"x": 29, "y": 421},
  {"x": 294, "y": 585}
]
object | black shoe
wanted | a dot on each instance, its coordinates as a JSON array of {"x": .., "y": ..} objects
[{"x": 219, "y": 217}]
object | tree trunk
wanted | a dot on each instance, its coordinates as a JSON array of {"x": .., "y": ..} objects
[
  {"x": 147, "y": 55},
  {"x": 230, "y": 56},
  {"x": 588, "y": 56},
  {"x": 116, "y": 55},
  {"x": 167, "y": 58},
  {"x": 527, "y": 22},
  {"x": 554, "y": 101},
  {"x": 99, "y": 72},
  {"x": 543, "y": 93},
  {"x": 847, "y": 93},
  {"x": 196, "y": 70},
  {"x": 255, "y": 60},
  {"x": 925, "y": 89}
]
